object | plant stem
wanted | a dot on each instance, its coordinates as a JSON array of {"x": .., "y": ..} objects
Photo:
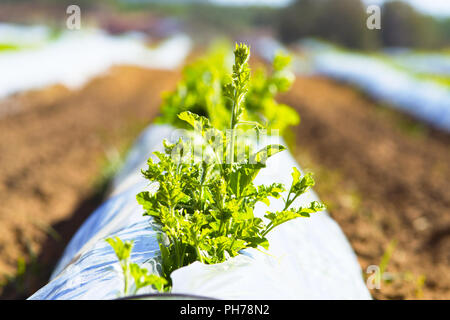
[
  {"x": 125, "y": 275},
  {"x": 232, "y": 128},
  {"x": 199, "y": 254}
]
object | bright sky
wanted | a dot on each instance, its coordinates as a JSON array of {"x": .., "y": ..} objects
[{"x": 434, "y": 7}]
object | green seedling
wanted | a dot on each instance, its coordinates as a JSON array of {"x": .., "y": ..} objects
[
  {"x": 132, "y": 272},
  {"x": 204, "y": 206}
]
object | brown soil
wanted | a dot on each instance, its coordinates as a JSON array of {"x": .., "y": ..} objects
[
  {"x": 386, "y": 180},
  {"x": 53, "y": 154}
]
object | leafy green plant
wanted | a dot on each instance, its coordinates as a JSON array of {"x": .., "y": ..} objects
[
  {"x": 260, "y": 101},
  {"x": 205, "y": 198},
  {"x": 132, "y": 272},
  {"x": 203, "y": 91}
]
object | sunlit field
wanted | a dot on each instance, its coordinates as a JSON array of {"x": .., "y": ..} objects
[{"x": 294, "y": 150}]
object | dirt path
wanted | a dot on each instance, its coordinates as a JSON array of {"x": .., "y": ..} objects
[
  {"x": 52, "y": 156},
  {"x": 386, "y": 180}
]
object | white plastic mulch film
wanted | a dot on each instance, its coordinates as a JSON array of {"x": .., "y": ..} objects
[
  {"x": 384, "y": 81},
  {"x": 75, "y": 57},
  {"x": 388, "y": 77},
  {"x": 307, "y": 259}
]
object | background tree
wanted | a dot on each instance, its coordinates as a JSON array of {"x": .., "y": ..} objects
[
  {"x": 402, "y": 26},
  {"x": 343, "y": 22}
]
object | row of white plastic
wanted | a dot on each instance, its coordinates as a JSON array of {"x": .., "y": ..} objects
[
  {"x": 387, "y": 82},
  {"x": 308, "y": 258},
  {"x": 421, "y": 98},
  {"x": 75, "y": 57}
]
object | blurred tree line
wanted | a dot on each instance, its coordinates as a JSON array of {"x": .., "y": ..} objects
[
  {"x": 344, "y": 22},
  {"x": 340, "y": 21}
]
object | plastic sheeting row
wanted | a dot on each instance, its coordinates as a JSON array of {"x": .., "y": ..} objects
[
  {"x": 421, "y": 98},
  {"x": 307, "y": 258},
  {"x": 425, "y": 99},
  {"x": 75, "y": 57}
]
